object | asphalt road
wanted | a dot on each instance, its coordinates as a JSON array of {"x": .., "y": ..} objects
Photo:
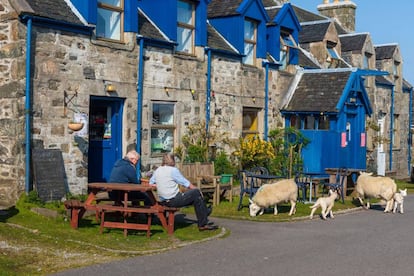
[{"x": 365, "y": 242}]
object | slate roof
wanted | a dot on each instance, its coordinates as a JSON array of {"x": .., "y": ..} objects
[
  {"x": 312, "y": 32},
  {"x": 353, "y": 42},
  {"x": 306, "y": 62},
  {"x": 301, "y": 14},
  {"x": 406, "y": 85},
  {"x": 385, "y": 51},
  {"x": 319, "y": 92},
  {"x": 383, "y": 80},
  {"x": 223, "y": 8},
  {"x": 54, "y": 9},
  {"x": 147, "y": 29}
]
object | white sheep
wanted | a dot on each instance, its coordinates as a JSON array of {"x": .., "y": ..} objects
[
  {"x": 369, "y": 186},
  {"x": 273, "y": 194}
]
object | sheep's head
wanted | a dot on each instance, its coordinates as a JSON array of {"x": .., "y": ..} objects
[{"x": 254, "y": 208}]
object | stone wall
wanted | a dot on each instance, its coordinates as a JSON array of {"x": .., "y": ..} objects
[{"x": 12, "y": 102}]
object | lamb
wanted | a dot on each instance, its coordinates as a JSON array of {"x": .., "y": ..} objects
[
  {"x": 399, "y": 201},
  {"x": 272, "y": 194},
  {"x": 369, "y": 186},
  {"x": 326, "y": 204}
]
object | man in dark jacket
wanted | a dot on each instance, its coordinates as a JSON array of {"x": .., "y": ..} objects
[{"x": 124, "y": 171}]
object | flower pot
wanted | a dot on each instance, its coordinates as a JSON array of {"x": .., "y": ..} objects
[
  {"x": 75, "y": 126},
  {"x": 225, "y": 178}
]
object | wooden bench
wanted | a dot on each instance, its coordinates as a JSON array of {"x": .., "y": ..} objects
[
  {"x": 76, "y": 209},
  {"x": 203, "y": 175},
  {"x": 167, "y": 219}
]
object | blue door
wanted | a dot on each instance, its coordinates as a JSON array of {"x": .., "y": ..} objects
[{"x": 105, "y": 136}]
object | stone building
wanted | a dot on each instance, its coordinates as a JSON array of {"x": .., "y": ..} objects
[{"x": 136, "y": 78}]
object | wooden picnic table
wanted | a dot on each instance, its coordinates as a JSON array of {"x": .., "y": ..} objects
[{"x": 164, "y": 213}]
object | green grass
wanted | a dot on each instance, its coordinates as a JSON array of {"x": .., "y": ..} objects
[{"x": 37, "y": 245}]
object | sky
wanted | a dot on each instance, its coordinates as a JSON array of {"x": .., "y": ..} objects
[{"x": 386, "y": 21}]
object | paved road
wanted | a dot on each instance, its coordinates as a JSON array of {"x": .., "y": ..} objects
[{"x": 366, "y": 242}]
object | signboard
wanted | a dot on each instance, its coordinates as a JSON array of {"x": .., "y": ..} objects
[{"x": 49, "y": 174}]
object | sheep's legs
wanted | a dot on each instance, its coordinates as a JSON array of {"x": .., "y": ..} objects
[{"x": 292, "y": 208}]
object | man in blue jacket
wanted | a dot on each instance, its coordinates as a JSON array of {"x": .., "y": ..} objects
[{"x": 124, "y": 171}]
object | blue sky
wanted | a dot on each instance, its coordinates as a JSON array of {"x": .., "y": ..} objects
[{"x": 389, "y": 23}]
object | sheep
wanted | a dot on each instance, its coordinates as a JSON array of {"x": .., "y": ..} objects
[
  {"x": 369, "y": 186},
  {"x": 272, "y": 194}
]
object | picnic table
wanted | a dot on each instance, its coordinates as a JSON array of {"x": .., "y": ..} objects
[{"x": 164, "y": 213}]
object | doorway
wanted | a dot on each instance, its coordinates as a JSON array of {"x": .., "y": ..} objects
[{"x": 105, "y": 136}]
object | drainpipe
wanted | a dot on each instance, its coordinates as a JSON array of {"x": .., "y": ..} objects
[
  {"x": 208, "y": 94},
  {"x": 391, "y": 125},
  {"x": 410, "y": 122},
  {"x": 28, "y": 103},
  {"x": 266, "y": 120},
  {"x": 139, "y": 101}
]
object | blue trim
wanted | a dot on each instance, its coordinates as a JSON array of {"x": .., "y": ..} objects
[
  {"x": 139, "y": 101},
  {"x": 58, "y": 25},
  {"x": 391, "y": 126},
  {"x": 266, "y": 112},
  {"x": 28, "y": 103},
  {"x": 208, "y": 94}
]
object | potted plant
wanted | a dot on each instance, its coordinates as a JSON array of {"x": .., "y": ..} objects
[{"x": 75, "y": 126}]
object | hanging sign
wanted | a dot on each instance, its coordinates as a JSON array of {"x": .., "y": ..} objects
[{"x": 343, "y": 139}]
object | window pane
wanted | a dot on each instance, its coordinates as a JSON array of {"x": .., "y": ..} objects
[
  {"x": 185, "y": 13},
  {"x": 116, "y": 3},
  {"x": 163, "y": 114},
  {"x": 249, "y": 52},
  {"x": 109, "y": 24},
  {"x": 309, "y": 122},
  {"x": 323, "y": 123},
  {"x": 249, "y": 28},
  {"x": 162, "y": 140},
  {"x": 185, "y": 40}
]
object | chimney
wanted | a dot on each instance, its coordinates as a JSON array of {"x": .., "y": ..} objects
[{"x": 342, "y": 10}]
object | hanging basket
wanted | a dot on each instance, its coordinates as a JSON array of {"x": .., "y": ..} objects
[{"x": 75, "y": 126}]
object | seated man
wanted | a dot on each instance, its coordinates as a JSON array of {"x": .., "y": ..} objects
[
  {"x": 167, "y": 178},
  {"x": 124, "y": 171}
]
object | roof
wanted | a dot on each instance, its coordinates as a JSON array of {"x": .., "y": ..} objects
[
  {"x": 319, "y": 92},
  {"x": 306, "y": 60},
  {"x": 222, "y": 8},
  {"x": 54, "y": 9},
  {"x": 385, "y": 51},
  {"x": 147, "y": 28},
  {"x": 314, "y": 31},
  {"x": 353, "y": 42}
]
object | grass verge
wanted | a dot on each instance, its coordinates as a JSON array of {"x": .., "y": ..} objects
[{"x": 38, "y": 245}]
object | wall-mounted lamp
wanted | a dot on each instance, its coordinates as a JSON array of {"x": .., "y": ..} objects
[
  {"x": 109, "y": 87},
  {"x": 166, "y": 90},
  {"x": 192, "y": 91},
  {"x": 254, "y": 99}
]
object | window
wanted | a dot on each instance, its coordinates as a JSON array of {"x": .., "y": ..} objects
[
  {"x": 286, "y": 43},
  {"x": 185, "y": 27},
  {"x": 162, "y": 129},
  {"x": 110, "y": 19},
  {"x": 250, "y": 38},
  {"x": 309, "y": 122},
  {"x": 395, "y": 69},
  {"x": 323, "y": 122},
  {"x": 295, "y": 121},
  {"x": 250, "y": 122},
  {"x": 333, "y": 57},
  {"x": 365, "y": 64}
]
